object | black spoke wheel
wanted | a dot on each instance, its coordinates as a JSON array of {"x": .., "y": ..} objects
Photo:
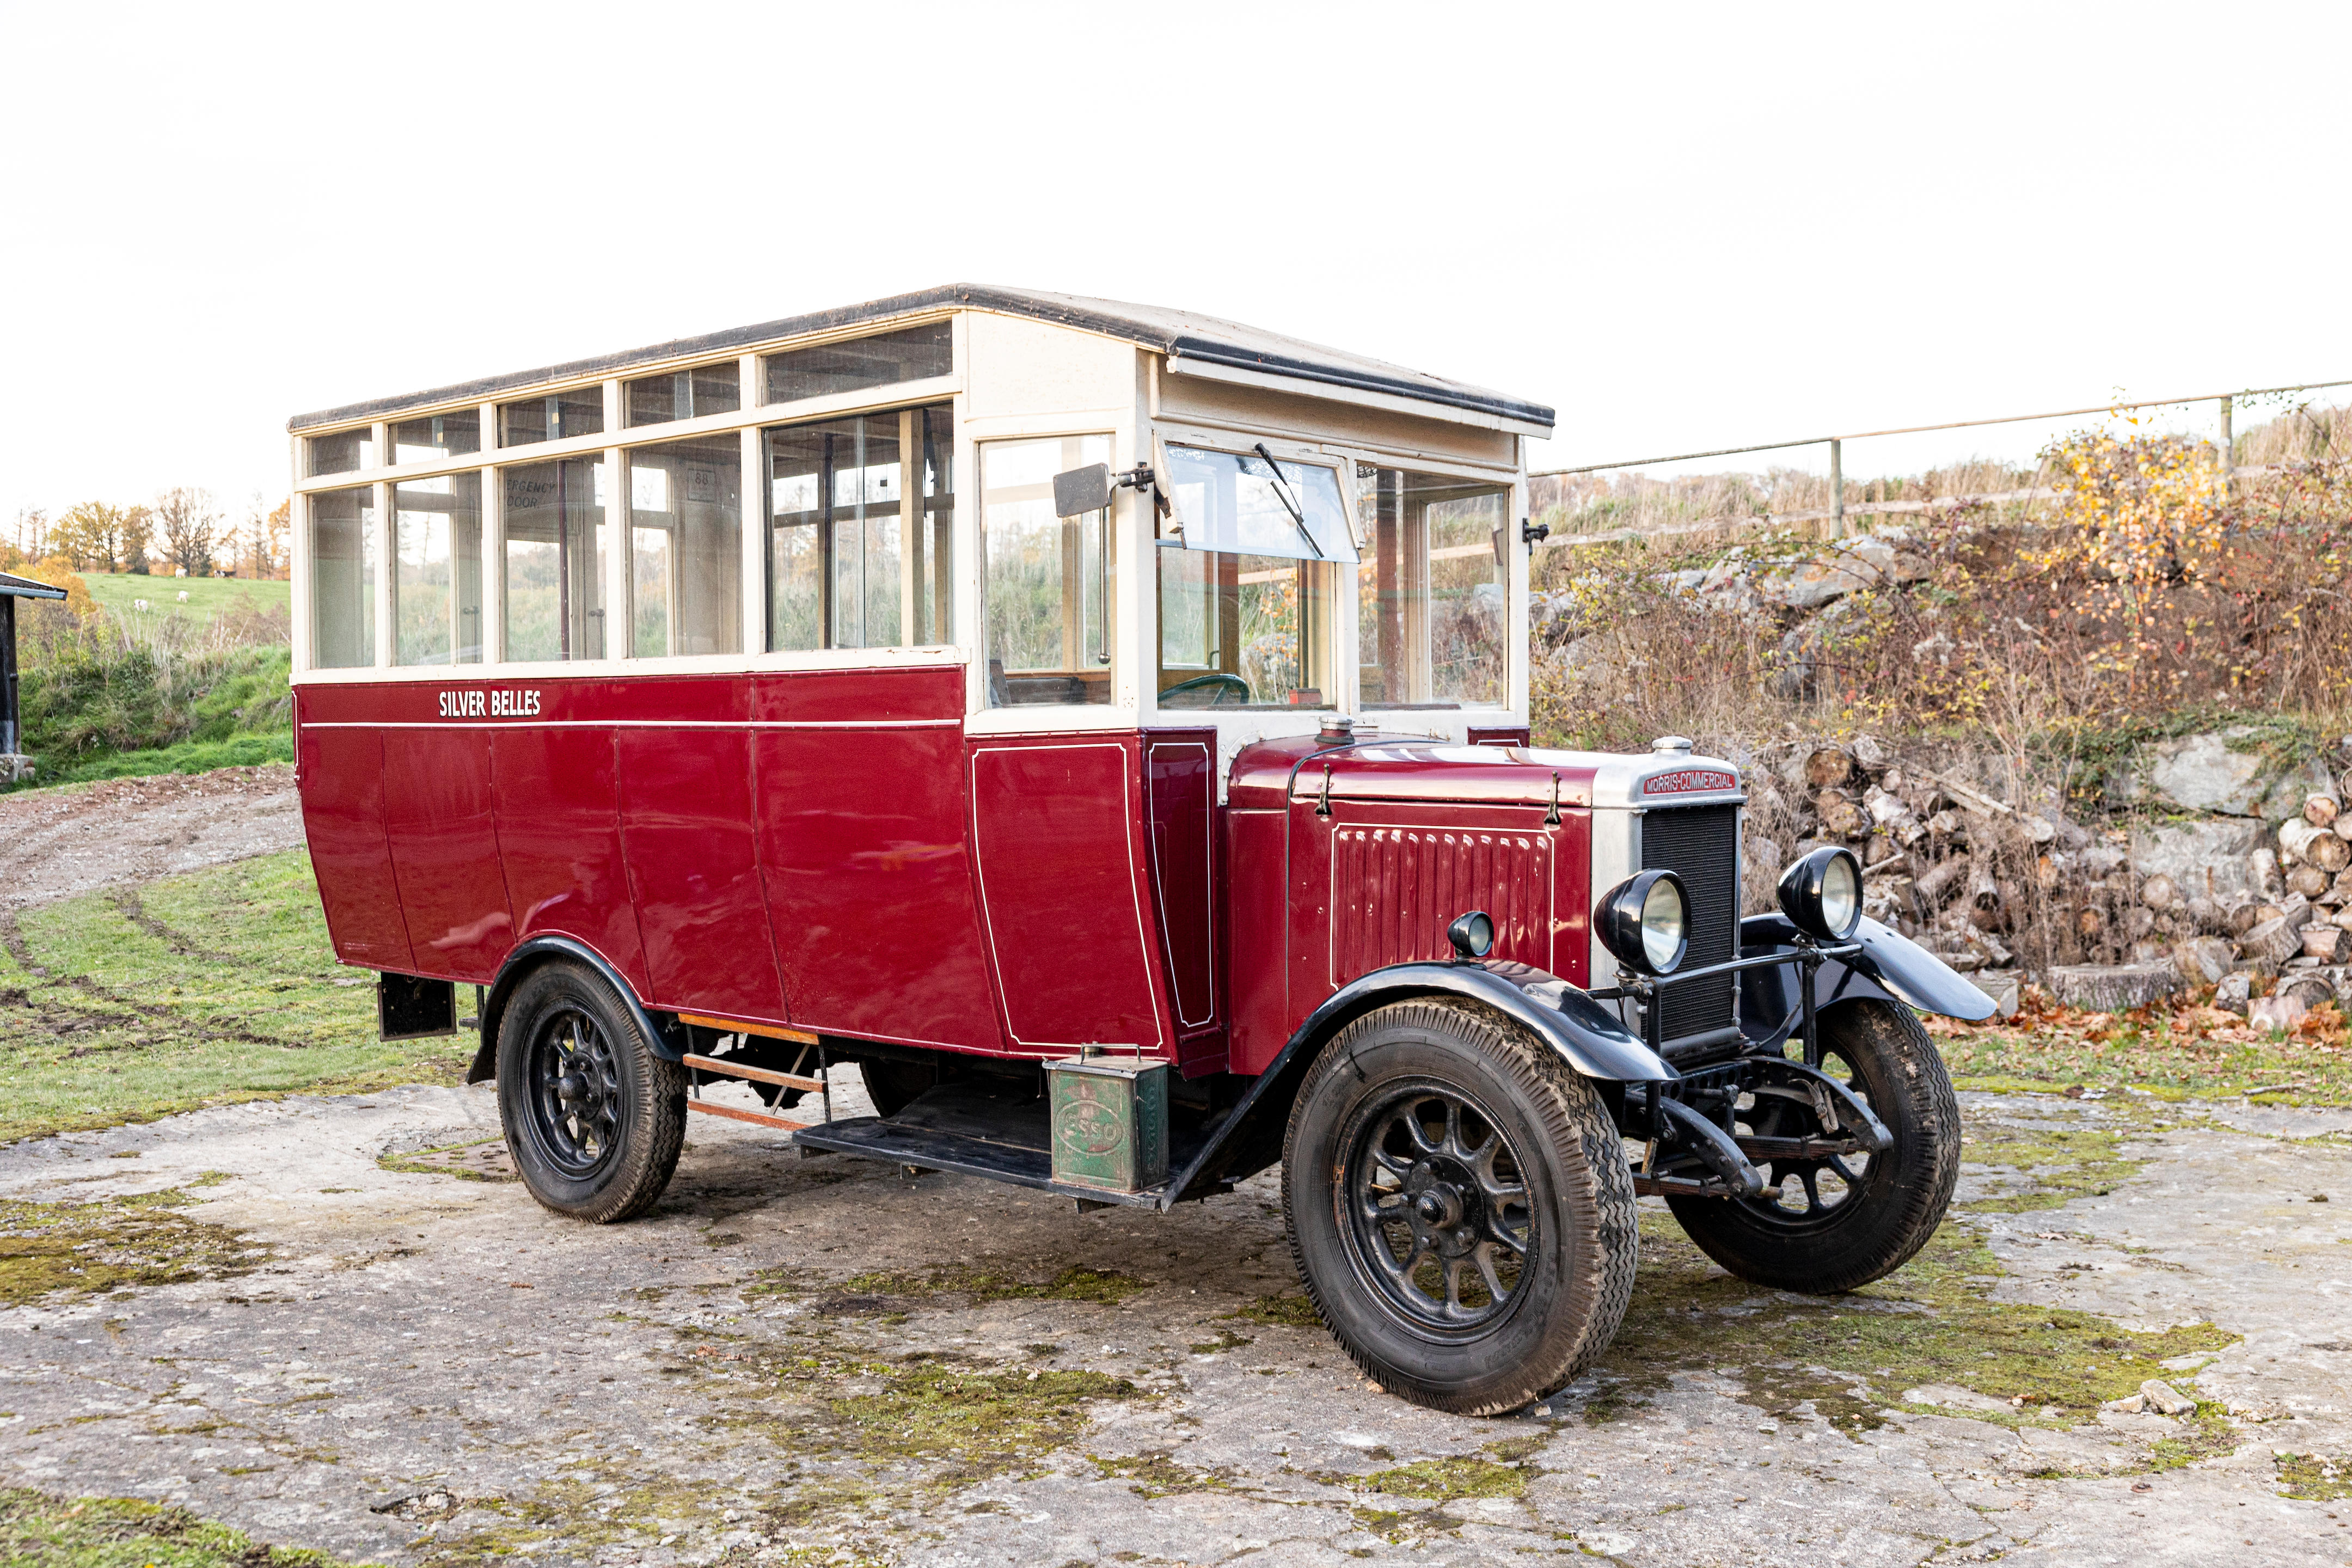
[
  {"x": 594, "y": 1118},
  {"x": 575, "y": 1091},
  {"x": 1459, "y": 1207},
  {"x": 1439, "y": 1208},
  {"x": 1833, "y": 1223}
]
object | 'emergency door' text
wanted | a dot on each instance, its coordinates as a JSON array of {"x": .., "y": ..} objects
[{"x": 496, "y": 704}]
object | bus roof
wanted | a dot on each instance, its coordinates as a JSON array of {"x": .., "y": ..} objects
[{"x": 1179, "y": 335}]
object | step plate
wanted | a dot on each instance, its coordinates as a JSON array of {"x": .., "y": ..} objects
[{"x": 974, "y": 1131}]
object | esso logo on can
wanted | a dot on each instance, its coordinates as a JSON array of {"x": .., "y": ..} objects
[
  {"x": 1690, "y": 780},
  {"x": 497, "y": 703}
]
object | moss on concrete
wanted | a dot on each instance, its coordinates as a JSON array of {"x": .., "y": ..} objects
[
  {"x": 2059, "y": 1164},
  {"x": 1443, "y": 1480},
  {"x": 982, "y": 1286},
  {"x": 1288, "y": 1310},
  {"x": 969, "y": 1422},
  {"x": 2315, "y": 1478},
  {"x": 1850, "y": 1358},
  {"x": 1155, "y": 1475},
  {"x": 118, "y": 1532},
  {"x": 109, "y": 1244}
]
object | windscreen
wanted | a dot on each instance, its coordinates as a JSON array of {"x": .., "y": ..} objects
[{"x": 1244, "y": 504}]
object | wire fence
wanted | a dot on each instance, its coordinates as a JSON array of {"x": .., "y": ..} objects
[{"x": 1616, "y": 501}]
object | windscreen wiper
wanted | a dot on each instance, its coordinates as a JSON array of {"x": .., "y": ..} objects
[{"x": 1289, "y": 501}]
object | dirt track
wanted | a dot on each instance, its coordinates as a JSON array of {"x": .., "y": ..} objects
[{"x": 55, "y": 843}]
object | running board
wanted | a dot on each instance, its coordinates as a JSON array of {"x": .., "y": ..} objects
[
  {"x": 997, "y": 1130},
  {"x": 931, "y": 1148}
]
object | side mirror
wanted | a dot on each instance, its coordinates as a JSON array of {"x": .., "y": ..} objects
[{"x": 1082, "y": 490}]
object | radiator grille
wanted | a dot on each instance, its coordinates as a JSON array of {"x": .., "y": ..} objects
[
  {"x": 1700, "y": 844},
  {"x": 1395, "y": 890}
]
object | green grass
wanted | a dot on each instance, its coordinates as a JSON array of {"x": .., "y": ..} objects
[
  {"x": 117, "y": 592},
  {"x": 201, "y": 989},
  {"x": 119, "y": 1532},
  {"x": 187, "y": 757},
  {"x": 124, "y": 711}
]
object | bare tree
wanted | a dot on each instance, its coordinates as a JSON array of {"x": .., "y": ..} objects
[
  {"x": 190, "y": 528},
  {"x": 32, "y": 532}
]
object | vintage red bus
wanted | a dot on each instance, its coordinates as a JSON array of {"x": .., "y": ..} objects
[{"x": 1102, "y": 728}]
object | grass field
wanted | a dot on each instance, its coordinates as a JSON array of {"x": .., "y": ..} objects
[
  {"x": 181, "y": 757},
  {"x": 118, "y": 592},
  {"x": 201, "y": 989}
]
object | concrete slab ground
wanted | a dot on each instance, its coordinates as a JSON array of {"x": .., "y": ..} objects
[{"x": 343, "y": 1341}]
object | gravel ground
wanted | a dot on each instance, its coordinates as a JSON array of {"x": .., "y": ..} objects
[
  {"x": 348, "y": 1339},
  {"x": 426, "y": 1368}
]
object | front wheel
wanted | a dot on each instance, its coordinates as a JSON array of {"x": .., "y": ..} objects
[
  {"x": 1824, "y": 1226},
  {"x": 594, "y": 1118},
  {"x": 1459, "y": 1207}
]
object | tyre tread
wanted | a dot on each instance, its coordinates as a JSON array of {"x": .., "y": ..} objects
[
  {"x": 1573, "y": 1116},
  {"x": 649, "y": 1156}
]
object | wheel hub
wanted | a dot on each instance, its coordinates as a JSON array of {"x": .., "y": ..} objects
[
  {"x": 578, "y": 1099},
  {"x": 1442, "y": 1226},
  {"x": 1445, "y": 1202}
]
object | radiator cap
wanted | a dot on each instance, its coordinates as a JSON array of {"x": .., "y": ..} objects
[{"x": 1672, "y": 745}]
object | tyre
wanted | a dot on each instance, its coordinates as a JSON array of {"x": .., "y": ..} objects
[
  {"x": 1460, "y": 1208},
  {"x": 595, "y": 1119},
  {"x": 1822, "y": 1227}
]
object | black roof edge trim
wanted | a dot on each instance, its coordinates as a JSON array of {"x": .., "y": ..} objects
[
  {"x": 957, "y": 296},
  {"x": 14, "y": 587}
]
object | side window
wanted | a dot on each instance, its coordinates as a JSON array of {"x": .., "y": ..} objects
[
  {"x": 1430, "y": 623},
  {"x": 555, "y": 560},
  {"x": 686, "y": 547},
  {"x": 437, "y": 583},
  {"x": 1246, "y": 604},
  {"x": 1046, "y": 580},
  {"x": 860, "y": 512},
  {"x": 343, "y": 543}
]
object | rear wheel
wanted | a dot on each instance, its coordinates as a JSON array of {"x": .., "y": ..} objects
[
  {"x": 1459, "y": 1208},
  {"x": 594, "y": 1118},
  {"x": 1825, "y": 1226}
]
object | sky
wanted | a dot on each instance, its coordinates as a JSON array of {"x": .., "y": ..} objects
[{"x": 1682, "y": 228}]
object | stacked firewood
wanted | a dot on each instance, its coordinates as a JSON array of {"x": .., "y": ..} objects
[{"x": 1995, "y": 884}]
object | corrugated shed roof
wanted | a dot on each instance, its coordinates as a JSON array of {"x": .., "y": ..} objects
[
  {"x": 1183, "y": 334},
  {"x": 15, "y": 587}
]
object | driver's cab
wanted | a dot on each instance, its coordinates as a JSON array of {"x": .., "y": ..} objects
[{"x": 1186, "y": 522}]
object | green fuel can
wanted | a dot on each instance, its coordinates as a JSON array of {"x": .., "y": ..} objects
[{"x": 1110, "y": 1121}]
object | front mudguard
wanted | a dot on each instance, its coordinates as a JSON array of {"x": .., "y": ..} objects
[
  {"x": 1586, "y": 1036},
  {"x": 1890, "y": 967}
]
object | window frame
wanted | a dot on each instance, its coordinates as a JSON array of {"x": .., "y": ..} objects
[
  {"x": 1343, "y": 454},
  {"x": 1338, "y": 647},
  {"x": 1020, "y": 717},
  {"x": 613, "y": 446}
]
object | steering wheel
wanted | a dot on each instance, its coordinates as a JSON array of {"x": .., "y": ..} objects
[{"x": 1219, "y": 681}]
